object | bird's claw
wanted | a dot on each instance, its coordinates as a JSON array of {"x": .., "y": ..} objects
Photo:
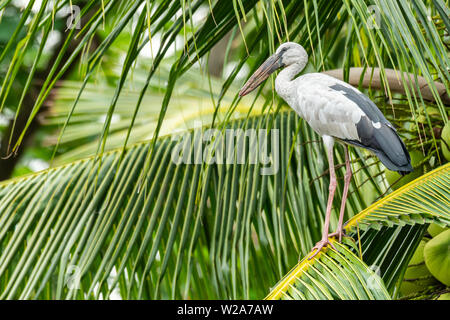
[
  {"x": 321, "y": 244},
  {"x": 339, "y": 234}
]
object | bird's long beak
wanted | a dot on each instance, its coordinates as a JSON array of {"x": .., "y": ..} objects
[{"x": 262, "y": 73}]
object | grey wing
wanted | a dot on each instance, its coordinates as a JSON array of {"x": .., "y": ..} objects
[
  {"x": 363, "y": 102},
  {"x": 376, "y": 133}
]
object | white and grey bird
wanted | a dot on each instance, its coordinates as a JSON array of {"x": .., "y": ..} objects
[{"x": 336, "y": 111}]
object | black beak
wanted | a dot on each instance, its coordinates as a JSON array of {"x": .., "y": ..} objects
[{"x": 262, "y": 73}]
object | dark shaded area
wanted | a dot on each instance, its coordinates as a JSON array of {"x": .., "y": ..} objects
[{"x": 8, "y": 160}]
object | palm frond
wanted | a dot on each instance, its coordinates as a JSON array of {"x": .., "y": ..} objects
[
  {"x": 424, "y": 200},
  {"x": 414, "y": 43},
  {"x": 387, "y": 248},
  {"x": 334, "y": 275},
  {"x": 136, "y": 223},
  {"x": 192, "y": 229},
  {"x": 190, "y": 107},
  {"x": 223, "y": 217}
]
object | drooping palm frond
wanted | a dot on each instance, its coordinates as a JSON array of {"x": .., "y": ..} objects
[
  {"x": 381, "y": 254},
  {"x": 190, "y": 107},
  {"x": 425, "y": 200},
  {"x": 186, "y": 227},
  {"x": 336, "y": 33},
  {"x": 134, "y": 222},
  {"x": 334, "y": 275},
  {"x": 386, "y": 249},
  {"x": 196, "y": 228}
]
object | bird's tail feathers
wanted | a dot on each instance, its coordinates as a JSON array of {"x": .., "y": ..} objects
[
  {"x": 405, "y": 169},
  {"x": 392, "y": 151}
]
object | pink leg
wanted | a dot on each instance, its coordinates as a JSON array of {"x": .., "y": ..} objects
[
  {"x": 348, "y": 176},
  {"x": 324, "y": 242}
]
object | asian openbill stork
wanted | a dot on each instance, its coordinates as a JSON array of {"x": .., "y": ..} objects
[{"x": 336, "y": 111}]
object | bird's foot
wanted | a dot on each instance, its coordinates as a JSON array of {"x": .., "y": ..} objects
[
  {"x": 319, "y": 245},
  {"x": 339, "y": 234}
]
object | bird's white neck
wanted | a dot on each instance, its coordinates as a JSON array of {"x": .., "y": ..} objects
[{"x": 284, "y": 83}]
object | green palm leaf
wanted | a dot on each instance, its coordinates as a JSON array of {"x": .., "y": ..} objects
[
  {"x": 423, "y": 200},
  {"x": 414, "y": 43},
  {"x": 333, "y": 275},
  {"x": 96, "y": 219},
  {"x": 131, "y": 222},
  {"x": 387, "y": 251},
  {"x": 190, "y": 230}
]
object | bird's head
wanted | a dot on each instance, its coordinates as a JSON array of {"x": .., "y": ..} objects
[{"x": 287, "y": 54}]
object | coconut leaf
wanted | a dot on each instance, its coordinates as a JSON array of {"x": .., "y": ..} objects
[
  {"x": 332, "y": 275},
  {"x": 405, "y": 37},
  {"x": 387, "y": 249},
  {"x": 424, "y": 200},
  {"x": 189, "y": 226},
  {"x": 133, "y": 223},
  {"x": 194, "y": 228}
]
